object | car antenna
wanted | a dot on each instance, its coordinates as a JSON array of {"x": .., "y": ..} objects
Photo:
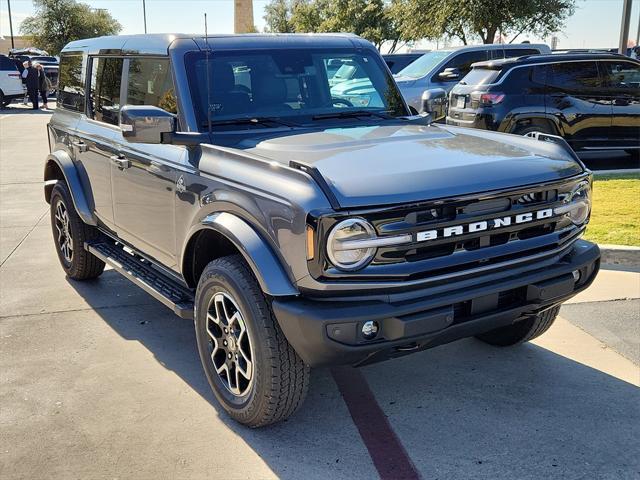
[{"x": 206, "y": 53}]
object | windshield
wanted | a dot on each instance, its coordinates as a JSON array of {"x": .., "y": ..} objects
[
  {"x": 288, "y": 85},
  {"x": 423, "y": 65}
]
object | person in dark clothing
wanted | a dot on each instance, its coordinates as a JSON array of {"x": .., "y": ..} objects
[
  {"x": 30, "y": 74},
  {"x": 44, "y": 85}
]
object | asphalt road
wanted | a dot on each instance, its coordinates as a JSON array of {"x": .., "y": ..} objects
[{"x": 98, "y": 380}]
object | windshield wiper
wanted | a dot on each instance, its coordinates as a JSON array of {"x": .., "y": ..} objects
[
  {"x": 248, "y": 121},
  {"x": 354, "y": 113}
]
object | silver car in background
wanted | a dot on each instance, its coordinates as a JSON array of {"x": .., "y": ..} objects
[{"x": 445, "y": 68}]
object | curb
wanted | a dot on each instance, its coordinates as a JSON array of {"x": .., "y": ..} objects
[
  {"x": 620, "y": 255},
  {"x": 621, "y": 171}
]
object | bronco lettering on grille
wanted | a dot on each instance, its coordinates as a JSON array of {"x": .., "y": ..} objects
[{"x": 492, "y": 224}]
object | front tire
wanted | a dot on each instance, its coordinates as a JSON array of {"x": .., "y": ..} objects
[
  {"x": 69, "y": 235},
  {"x": 521, "y": 331},
  {"x": 254, "y": 372}
]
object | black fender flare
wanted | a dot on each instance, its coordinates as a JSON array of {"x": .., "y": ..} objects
[
  {"x": 81, "y": 202},
  {"x": 264, "y": 264}
]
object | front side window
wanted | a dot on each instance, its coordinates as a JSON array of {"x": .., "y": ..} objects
[
  {"x": 463, "y": 61},
  {"x": 71, "y": 83},
  {"x": 288, "y": 84},
  {"x": 622, "y": 75},
  {"x": 104, "y": 94},
  {"x": 150, "y": 83},
  {"x": 574, "y": 76}
]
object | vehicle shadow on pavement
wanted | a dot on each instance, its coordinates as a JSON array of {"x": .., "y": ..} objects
[{"x": 464, "y": 410}]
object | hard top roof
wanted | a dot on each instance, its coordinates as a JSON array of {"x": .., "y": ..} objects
[{"x": 159, "y": 43}]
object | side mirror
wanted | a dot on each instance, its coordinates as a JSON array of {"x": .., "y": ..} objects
[
  {"x": 434, "y": 102},
  {"x": 449, "y": 74},
  {"x": 146, "y": 124}
]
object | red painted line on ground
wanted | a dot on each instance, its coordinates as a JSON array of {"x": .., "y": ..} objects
[{"x": 388, "y": 455}]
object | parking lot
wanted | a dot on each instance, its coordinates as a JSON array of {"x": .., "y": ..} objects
[{"x": 98, "y": 379}]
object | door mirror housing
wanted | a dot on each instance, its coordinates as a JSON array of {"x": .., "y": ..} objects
[
  {"x": 434, "y": 102},
  {"x": 449, "y": 74},
  {"x": 146, "y": 124}
]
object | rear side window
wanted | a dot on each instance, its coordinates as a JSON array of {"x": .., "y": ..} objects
[
  {"x": 520, "y": 52},
  {"x": 150, "y": 83},
  {"x": 480, "y": 76},
  {"x": 71, "y": 82},
  {"x": 104, "y": 94},
  {"x": 622, "y": 75},
  {"x": 7, "y": 64},
  {"x": 574, "y": 76}
]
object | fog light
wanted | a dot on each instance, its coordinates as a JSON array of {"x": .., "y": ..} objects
[
  {"x": 576, "y": 276},
  {"x": 370, "y": 330}
]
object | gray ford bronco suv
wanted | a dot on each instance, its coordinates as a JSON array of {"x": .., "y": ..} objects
[{"x": 299, "y": 227}]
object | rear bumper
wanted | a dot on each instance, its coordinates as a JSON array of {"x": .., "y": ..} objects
[{"x": 327, "y": 331}]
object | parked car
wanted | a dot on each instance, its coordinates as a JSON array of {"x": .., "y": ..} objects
[
  {"x": 444, "y": 68},
  {"x": 52, "y": 72},
  {"x": 398, "y": 61},
  {"x": 296, "y": 229},
  {"x": 591, "y": 100},
  {"x": 10, "y": 82},
  {"x": 45, "y": 60}
]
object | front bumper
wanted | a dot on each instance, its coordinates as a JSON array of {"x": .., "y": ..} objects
[{"x": 327, "y": 331}]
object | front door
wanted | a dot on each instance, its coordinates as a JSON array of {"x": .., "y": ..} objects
[
  {"x": 622, "y": 86},
  {"x": 145, "y": 176}
]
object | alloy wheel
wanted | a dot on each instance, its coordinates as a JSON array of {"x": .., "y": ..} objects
[
  {"x": 63, "y": 227},
  {"x": 229, "y": 344}
]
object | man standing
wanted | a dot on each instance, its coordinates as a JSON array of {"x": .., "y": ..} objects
[{"x": 30, "y": 74}]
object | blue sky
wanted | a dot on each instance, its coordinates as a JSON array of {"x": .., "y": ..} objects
[{"x": 596, "y": 23}]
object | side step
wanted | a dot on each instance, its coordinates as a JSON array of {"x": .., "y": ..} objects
[{"x": 143, "y": 274}]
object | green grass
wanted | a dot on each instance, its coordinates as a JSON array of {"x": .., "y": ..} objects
[{"x": 615, "y": 218}]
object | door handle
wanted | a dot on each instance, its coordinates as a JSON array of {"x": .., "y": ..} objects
[
  {"x": 82, "y": 147},
  {"x": 120, "y": 161}
]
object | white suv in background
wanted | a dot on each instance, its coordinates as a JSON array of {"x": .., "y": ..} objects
[{"x": 10, "y": 82}]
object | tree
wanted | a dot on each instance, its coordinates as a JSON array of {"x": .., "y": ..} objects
[
  {"x": 483, "y": 19},
  {"x": 367, "y": 18},
  {"x": 277, "y": 16},
  {"x": 58, "y": 22}
]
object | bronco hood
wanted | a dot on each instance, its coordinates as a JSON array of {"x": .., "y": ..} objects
[{"x": 392, "y": 164}]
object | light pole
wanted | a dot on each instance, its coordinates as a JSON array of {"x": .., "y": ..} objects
[
  {"x": 10, "y": 24},
  {"x": 624, "y": 27},
  {"x": 144, "y": 14}
]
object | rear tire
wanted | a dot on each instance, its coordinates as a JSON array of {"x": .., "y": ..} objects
[
  {"x": 521, "y": 331},
  {"x": 534, "y": 128},
  {"x": 254, "y": 372},
  {"x": 69, "y": 235}
]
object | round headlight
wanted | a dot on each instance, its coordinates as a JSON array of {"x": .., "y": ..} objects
[
  {"x": 580, "y": 200},
  {"x": 343, "y": 247},
  {"x": 577, "y": 205}
]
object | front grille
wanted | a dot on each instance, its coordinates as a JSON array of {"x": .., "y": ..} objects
[{"x": 469, "y": 250}]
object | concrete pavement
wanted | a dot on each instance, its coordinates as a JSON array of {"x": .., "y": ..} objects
[{"x": 98, "y": 380}]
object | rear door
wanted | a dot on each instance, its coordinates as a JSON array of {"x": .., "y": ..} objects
[
  {"x": 576, "y": 98},
  {"x": 96, "y": 131},
  {"x": 622, "y": 87},
  {"x": 144, "y": 176}
]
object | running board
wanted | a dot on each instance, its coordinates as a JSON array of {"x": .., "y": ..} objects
[{"x": 144, "y": 275}]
